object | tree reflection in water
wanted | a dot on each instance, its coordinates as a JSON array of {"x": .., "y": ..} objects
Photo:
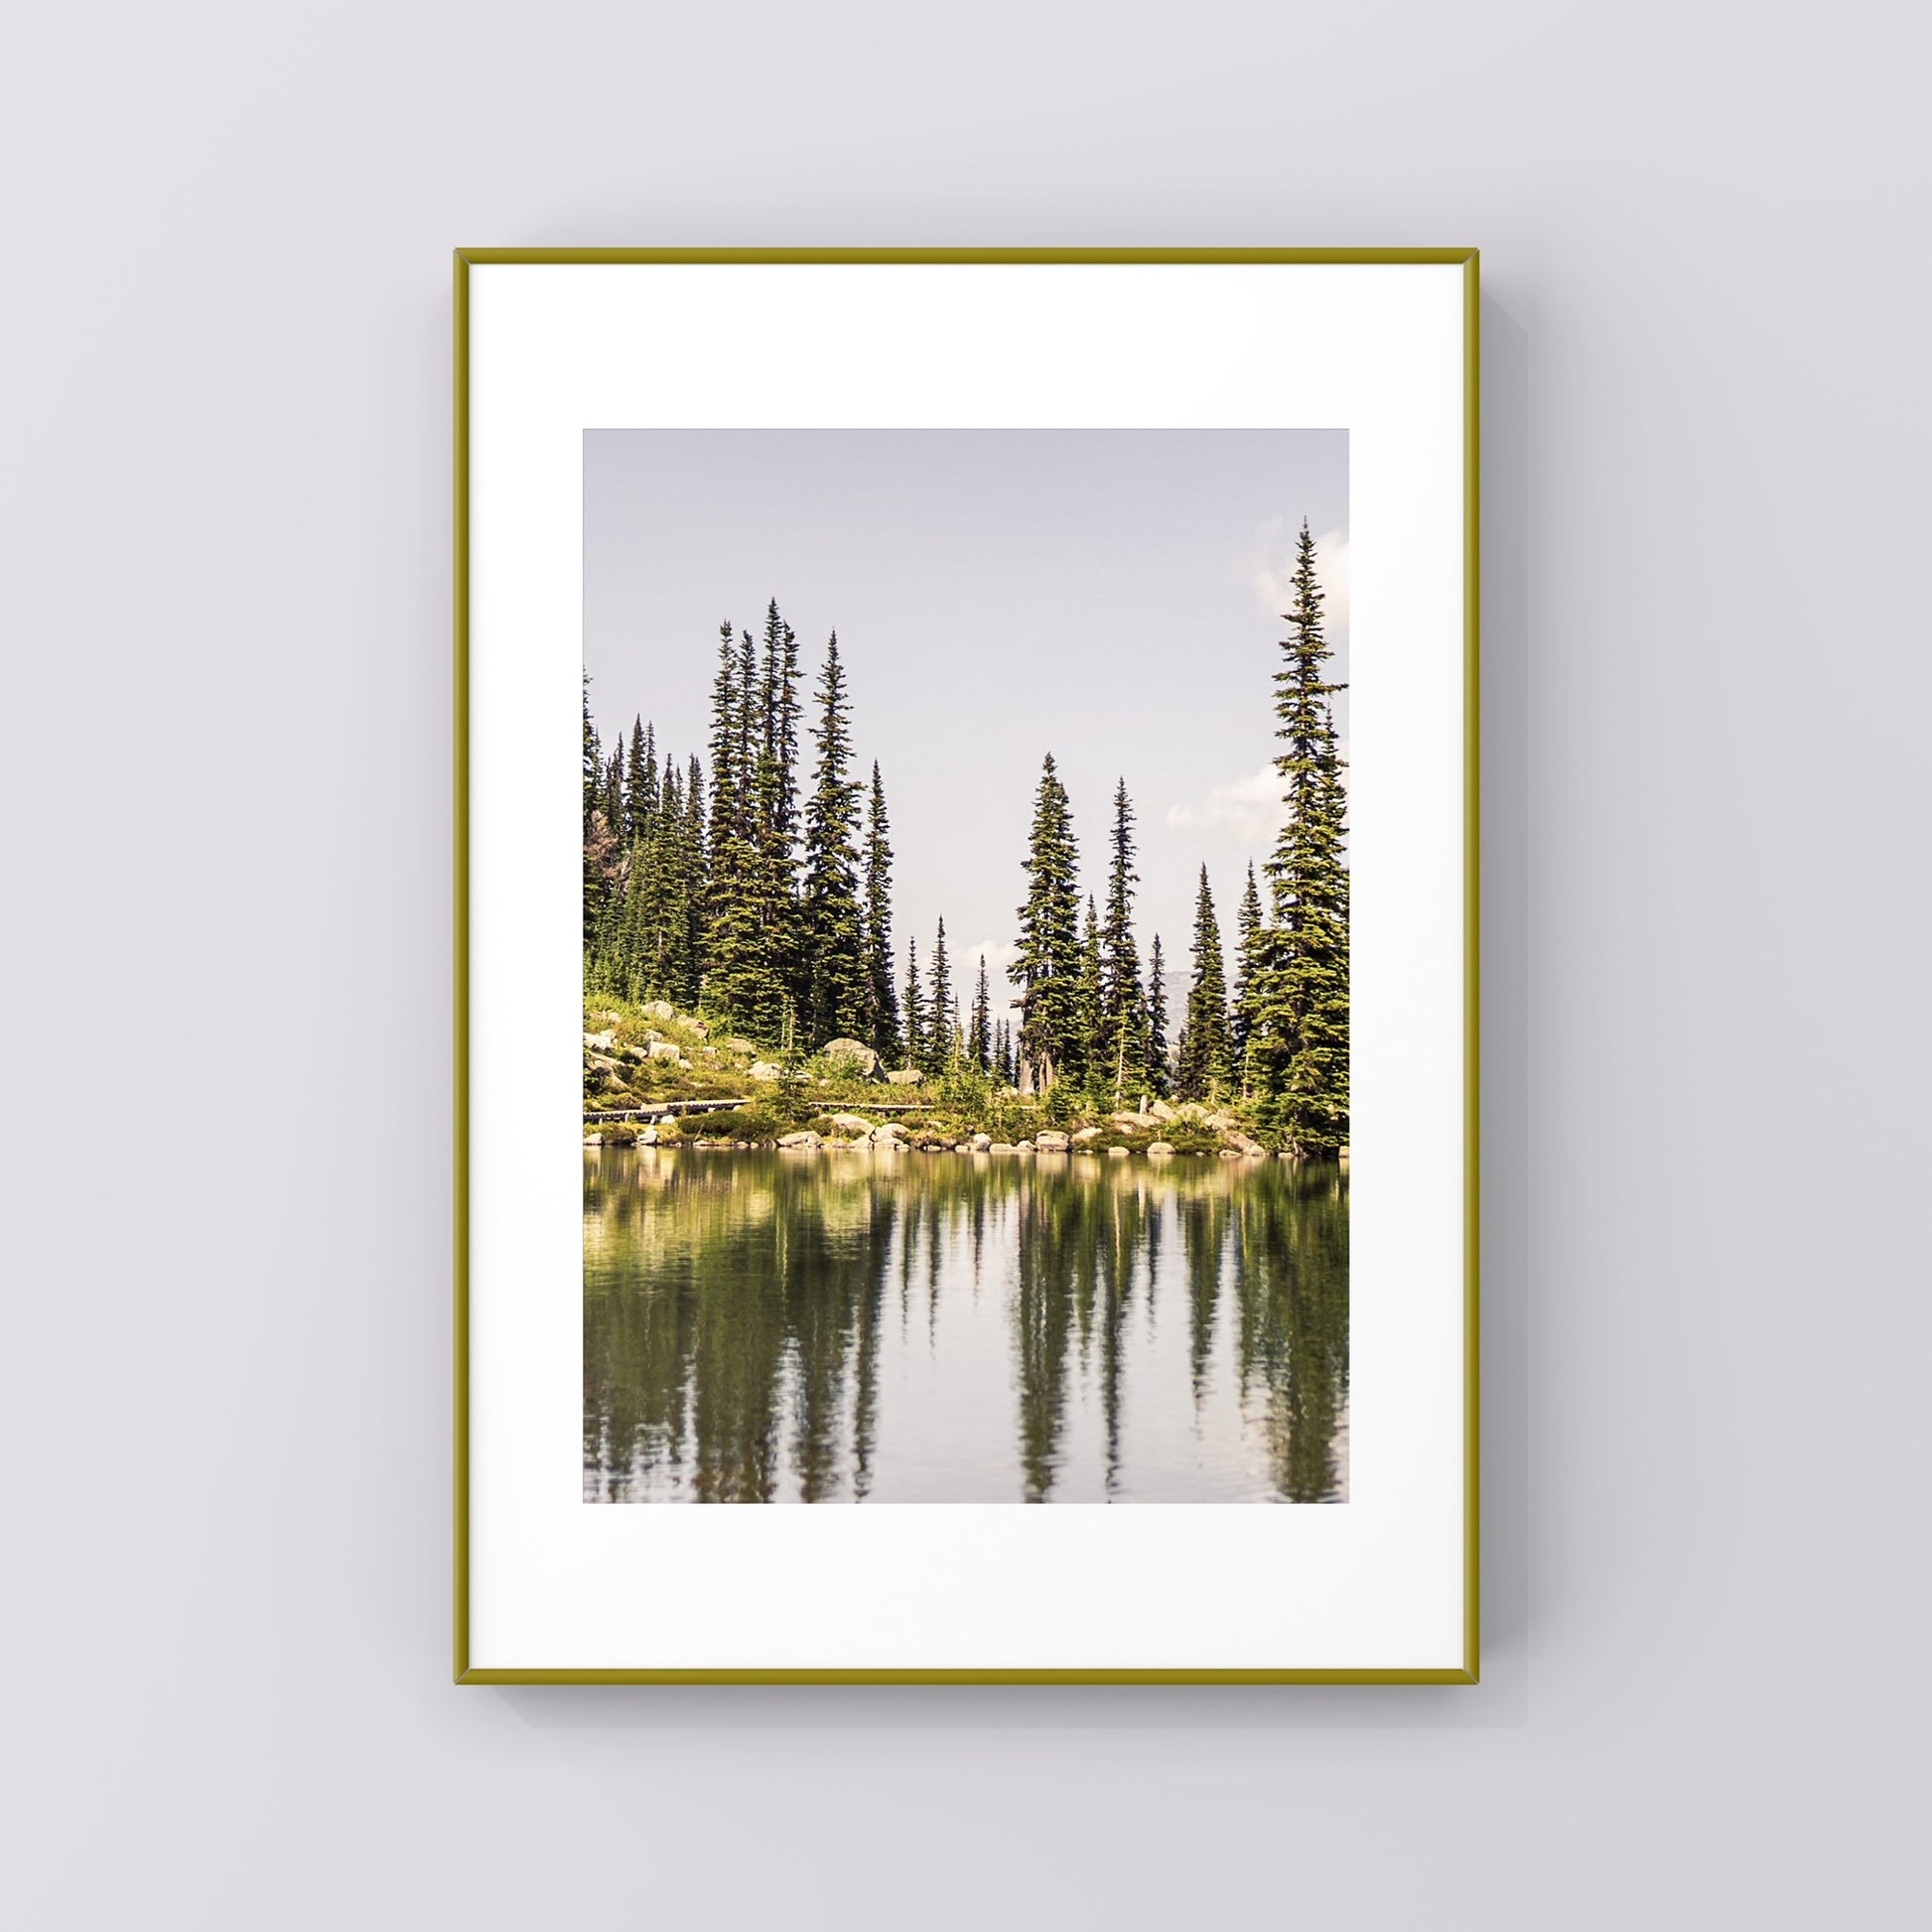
[{"x": 819, "y": 1328}]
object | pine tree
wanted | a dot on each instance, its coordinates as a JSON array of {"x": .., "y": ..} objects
[
  {"x": 690, "y": 950},
  {"x": 1159, "y": 1077},
  {"x": 749, "y": 911},
  {"x": 782, "y": 676},
  {"x": 1048, "y": 959},
  {"x": 834, "y": 925},
  {"x": 592, "y": 793},
  {"x": 752, "y": 704},
  {"x": 881, "y": 1032},
  {"x": 1089, "y": 1009},
  {"x": 1297, "y": 1050},
  {"x": 915, "y": 1009},
  {"x": 1247, "y": 972},
  {"x": 1120, "y": 1044},
  {"x": 641, "y": 797},
  {"x": 724, "y": 743},
  {"x": 1206, "y": 1066},
  {"x": 773, "y": 727},
  {"x": 593, "y": 760},
  {"x": 614, "y": 791},
  {"x": 979, "y": 1042},
  {"x": 941, "y": 1021}
]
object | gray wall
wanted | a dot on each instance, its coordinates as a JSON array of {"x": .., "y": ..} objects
[{"x": 225, "y": 818}]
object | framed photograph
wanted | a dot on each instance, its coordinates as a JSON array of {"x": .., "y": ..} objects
[{"x": 966, "y": 966}]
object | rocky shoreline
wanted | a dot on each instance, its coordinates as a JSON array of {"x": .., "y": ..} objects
[
  {"x": 853, "y": 1134},
  {"x": 654, "y": 1077}
]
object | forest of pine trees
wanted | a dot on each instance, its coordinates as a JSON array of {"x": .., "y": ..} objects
[{"x": 772, "y": 913}]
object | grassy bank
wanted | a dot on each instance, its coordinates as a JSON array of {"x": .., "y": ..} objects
[{"x": 645, "y": 1056}]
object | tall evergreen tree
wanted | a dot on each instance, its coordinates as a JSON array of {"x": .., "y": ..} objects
[
  {"x": 881, "y": 1031},
  {"x": 1205, "y": 1070},
  {"x": 641, "y": 796},
  {"x": 834, "y": 924},
  {"x": 724, "y": 743},
  {"x": 1121, "y": 1043},
  {"x": 1049, "y": 960},
  {"x": 1297, "y": 1051},
  {"x": 979, "y": 1042},
  {"x": 781, "y": 720},
  {"x": 915, "y": 1048},
  {"x": 1247, "y": 978},
  {"x": 593, "y": 760},
  {"x": 1159, "y": 1078},
  {"x": 614, "y": 792},
  {"x": 748, "y": 930},
  {"x": 942, "y": 1019},
  {"x": 753, "y": 707},
  {"x": 1090, "y": 1010},
  {"x": 697, "y": 898},
  {"x": 592, "y": 907}
]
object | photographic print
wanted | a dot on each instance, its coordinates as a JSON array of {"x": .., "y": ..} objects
[
  {"x": 966, "y": 966},
  {"x": 965, "y": 936}
]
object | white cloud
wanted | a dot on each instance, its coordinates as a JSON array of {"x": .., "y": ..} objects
[
  {"x": 1271, "y": 568},
  {"x": 1245, "y": 812}
]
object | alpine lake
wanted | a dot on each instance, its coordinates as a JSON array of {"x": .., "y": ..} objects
[{"x": 885, "y": 1326}]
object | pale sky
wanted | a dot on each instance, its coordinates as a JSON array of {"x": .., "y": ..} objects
[{"x": 1110, "y": 596}]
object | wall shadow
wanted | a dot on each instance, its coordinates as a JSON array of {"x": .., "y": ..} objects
[{"x": 1501, "y": 1701}]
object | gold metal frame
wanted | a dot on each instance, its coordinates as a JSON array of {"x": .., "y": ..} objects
[{"x": 1467, "y": 259}]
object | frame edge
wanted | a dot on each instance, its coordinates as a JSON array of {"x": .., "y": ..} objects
[
  {"x": 1472, "y": 970},
  {"x": 1468, "y": 261},
  {"x": 459, "y": 920}
]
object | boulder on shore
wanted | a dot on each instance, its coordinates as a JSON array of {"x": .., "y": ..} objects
[
  {"x": 1051, "y": 1139},
  {"x": 1118, "y": 1153},
  {"x": 1023, "y": 1146},
  {"x": 1162, "y": 1111},
  {"x": 1001, "y": 1146},
  {"x": 891, "y": 1134},
  {"x": 1160, "y": 1147},
  {"x": 805, "y": 1139},
  {"x": 1088, "y": 1134},
  {"x": 851, "y": 1056},
  {"x": 981, "y": 1142},
  {"x": 852, "y": 1123},
  {"x": 764, "y": 1070}
]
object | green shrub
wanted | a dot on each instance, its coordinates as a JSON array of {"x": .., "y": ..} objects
[{"x": 738, "y": 1123}]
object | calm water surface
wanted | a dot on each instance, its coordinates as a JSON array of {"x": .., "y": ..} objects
[{"x": 880, "y": 1327}]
